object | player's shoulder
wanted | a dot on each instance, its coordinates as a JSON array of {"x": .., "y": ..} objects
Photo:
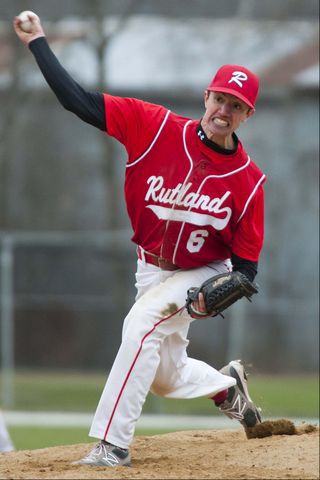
[
  {"x": 141, "y": 106},
  {"x": 173, "y": 117},
  {"x": 158, "y": 113},
  {"x": 131, "y": 103},
  {"x": 147, "y": 106}
]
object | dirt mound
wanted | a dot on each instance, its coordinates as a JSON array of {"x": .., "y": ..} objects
[{"x": 182, "y": 455}]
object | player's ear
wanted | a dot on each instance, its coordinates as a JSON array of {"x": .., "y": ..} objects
[
  {"x": 205, "y": 97},
  {"x": 249, "y": 114}
]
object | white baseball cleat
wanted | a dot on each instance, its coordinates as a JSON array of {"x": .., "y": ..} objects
[
  {"x": 238, "y": 404},
  {"x": 106, "y": 455}
]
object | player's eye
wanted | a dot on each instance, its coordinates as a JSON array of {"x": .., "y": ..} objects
[{"x": 219, "y": 99}]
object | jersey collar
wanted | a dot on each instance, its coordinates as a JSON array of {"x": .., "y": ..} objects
[{"x": 213, "y": 145}]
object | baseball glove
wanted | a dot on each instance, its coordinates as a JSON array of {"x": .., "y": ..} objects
[{"x": 219, "y": 293}]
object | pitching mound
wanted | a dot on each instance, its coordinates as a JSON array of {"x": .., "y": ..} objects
[{"x": 182, "y": 455}]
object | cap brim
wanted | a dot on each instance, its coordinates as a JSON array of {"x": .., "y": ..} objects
[{"x": 235, "y": 93}]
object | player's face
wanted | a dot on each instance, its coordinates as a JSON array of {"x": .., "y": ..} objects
[{"x": 224, "y": 114}]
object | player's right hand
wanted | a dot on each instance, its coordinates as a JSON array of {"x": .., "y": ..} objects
[
  {"x": 37, "y": 30},
  {"x": 198, "y": 308}
]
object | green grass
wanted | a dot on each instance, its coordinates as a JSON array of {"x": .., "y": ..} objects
[
  {"x": 286, "y": 395},
  {"x": 50, "y": 391},
  {"x": 30, "y": 438},
  {"x": 79, "y": 392},
  {"x": 278, "y": 396}
]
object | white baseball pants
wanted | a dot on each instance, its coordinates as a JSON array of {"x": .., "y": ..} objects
[{"x": 152, "y": 355}]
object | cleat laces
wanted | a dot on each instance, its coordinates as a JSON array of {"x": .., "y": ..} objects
[{"x": 234, "y": 411}]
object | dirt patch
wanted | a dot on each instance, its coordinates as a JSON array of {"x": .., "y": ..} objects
[
  {"x": 278, "y": 427},
  {"x": 182, "y": 455},
  {"x": 171, "y": 308}
]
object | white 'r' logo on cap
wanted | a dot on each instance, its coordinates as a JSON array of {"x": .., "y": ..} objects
[{"x": 238, "y": 77}]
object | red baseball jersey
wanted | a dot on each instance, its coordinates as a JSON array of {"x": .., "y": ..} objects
[{"x": 187, "y": 203}]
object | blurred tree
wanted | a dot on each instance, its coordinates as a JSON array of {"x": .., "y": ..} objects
[{"x": 100, "y": 38}]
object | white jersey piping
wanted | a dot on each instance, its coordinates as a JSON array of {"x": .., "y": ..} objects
[
  {"x": 191, "y": 162},
  {"x": 185, "y": 180},
  {"x": 153, "y": 141},
  {"x": 250, "y": 197}
]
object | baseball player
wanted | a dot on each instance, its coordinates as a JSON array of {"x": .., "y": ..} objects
[
  {"x": 6, "y": 444},
  {"x": 195, "y": 201}
]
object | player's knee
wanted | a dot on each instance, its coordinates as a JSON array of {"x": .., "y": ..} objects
[{"x": 159, "y": 388}]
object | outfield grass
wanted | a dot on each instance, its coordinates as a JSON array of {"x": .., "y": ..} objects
[
  {"x": 77, "y": 392},
  {"x": 30, "y": 438}
]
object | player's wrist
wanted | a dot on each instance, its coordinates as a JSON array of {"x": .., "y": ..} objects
[{"x": 35, "y": 37}]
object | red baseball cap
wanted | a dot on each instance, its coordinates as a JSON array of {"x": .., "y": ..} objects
[{"x": 238, "y": 81}]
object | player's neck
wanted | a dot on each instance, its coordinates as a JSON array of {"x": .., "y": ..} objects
[
  {"x": 224, "y": 142},
  {"x": 222, "y": 145}
]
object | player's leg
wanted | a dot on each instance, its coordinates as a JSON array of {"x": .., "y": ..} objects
[
  {"x": 147, "y": 276},
  {"x": 179, "y": 376},
  {"x": 134, "y": 369}
]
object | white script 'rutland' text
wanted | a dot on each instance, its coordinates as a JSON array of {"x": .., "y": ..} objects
[{"x": 181, "y": 196}]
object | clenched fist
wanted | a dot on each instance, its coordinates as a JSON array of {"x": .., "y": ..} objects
[{"x": 35, "y": 29}]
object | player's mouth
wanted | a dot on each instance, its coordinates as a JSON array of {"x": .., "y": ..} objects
[{"x": 219, "y": 122}]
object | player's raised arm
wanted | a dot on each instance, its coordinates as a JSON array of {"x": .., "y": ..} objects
[{"x": 89, "y": 106}]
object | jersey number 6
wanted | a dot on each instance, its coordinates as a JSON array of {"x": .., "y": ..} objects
[{"x": 196, "y": 240}]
